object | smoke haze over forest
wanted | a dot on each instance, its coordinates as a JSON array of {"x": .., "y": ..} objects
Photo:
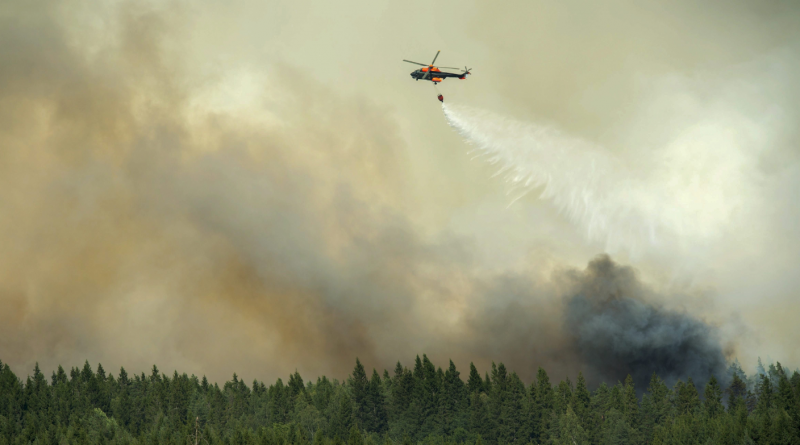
[{"x": 259, "y": 187}]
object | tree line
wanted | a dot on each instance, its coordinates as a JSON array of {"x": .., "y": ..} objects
[{"x": 424, "y": 405}]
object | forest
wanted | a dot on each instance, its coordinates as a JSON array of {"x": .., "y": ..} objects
[{"x": 424, "y": 405}]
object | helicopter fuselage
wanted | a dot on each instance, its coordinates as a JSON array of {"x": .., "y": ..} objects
[{"x": 435, "y": 75}]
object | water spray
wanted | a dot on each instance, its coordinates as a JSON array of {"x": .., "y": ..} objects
[{"x": 585, "y": 182}]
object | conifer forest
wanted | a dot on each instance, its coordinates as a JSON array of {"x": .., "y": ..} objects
[{"x": 422, "y": 404}]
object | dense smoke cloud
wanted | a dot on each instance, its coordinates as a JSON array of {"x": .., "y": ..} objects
[
  {"x": 162, "y": 202},
  {"x": 138, "y": 227},
  {"x": 617, "y": 332}
]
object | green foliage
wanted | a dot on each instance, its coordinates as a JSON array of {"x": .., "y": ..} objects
[
  {"x": 581, "y": 399},
  {"x": 630, "y": 404},
  {"x": 570, "y": 431},
  {"x": 543, "y": 406},
  {"x": 713, "y": 398},
  {"x": 687, "y": 398},
  {"x": 616, "y": 430},
  {"x": 423, "y": 406},
  {"x": 737, "y": 393},
  {"x": 452, "y": 402},
  {"x": 475, "y": 382},
  {"x": 355, "y": 437},
  {"x": 342, "y": 420}
]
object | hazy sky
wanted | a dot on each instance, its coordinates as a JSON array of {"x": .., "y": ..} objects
[{"x": 259, "y": 186}]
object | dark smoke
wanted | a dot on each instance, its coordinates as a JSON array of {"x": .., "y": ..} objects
[{"x": 616, "y": 332}]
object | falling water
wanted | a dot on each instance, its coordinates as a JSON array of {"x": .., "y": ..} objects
[{"x": 624, "y": 205}]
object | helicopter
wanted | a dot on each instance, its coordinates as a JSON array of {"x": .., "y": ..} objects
[{"x": 434, "y": 74}]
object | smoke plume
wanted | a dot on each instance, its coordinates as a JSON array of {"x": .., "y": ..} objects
[
  {"x": 617, "y": 332},
  {"x": 176, "y": 189}
]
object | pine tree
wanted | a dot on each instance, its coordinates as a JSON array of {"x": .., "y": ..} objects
[
  {"x": 475, "y": 382},
  {"x": 562, "y": 396},
  {"x": 420, "y": 408},
  {"x": 581, "y": 399},
  {"x": 735, "y": 369},
  {"x": 402, "y": 418},
  {"x": 37, "y": 392},
  {"x": 796, "y": 383},
  {"x": 737, "y": 392},
  {"x": 497, "y": 399},
  {"x": 713, "y": 398},
  {"x": 630, "y": 403},
  {"x": 103, "y": 399},
  {"x": 543, "y": 406},
  {"x": 323, "y": 392},
  {"x": 426, "y": 396},
  {"x": 296, "y": 385},
  {"x": 655, "y": 407},
  {"x": 342, "y": 421},
  {"x": 361, "y": 398},
  {"x": 479, "y": 421},
  {"x": 122, "y": 411},
  {"x": 688, "y": 398},
  {"x": 760, "y": 367},
  {"x": 61, "y": 393},
  {"x": 751, "y": 401},
  {"x": 278, "y": 406},
  {"x": 773, "y": 375},
  {"x": 785, "y": 395},
  {"x": 378, "y": 414},
  {"x": 452, "y": 400},
  {"x": 153, "y": 398},
  {"x": 765, "y": 395},
  {"x": 513, "y": 410},
  {"x": 614, "y": 400},
  {"x": 787, "y": 401}
]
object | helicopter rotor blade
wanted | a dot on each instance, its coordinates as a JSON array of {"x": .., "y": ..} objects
[
  {"x": 449, "y": 67},
  {"x": 415, "y": 63},
  {"x": 434, "y": 57}
]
